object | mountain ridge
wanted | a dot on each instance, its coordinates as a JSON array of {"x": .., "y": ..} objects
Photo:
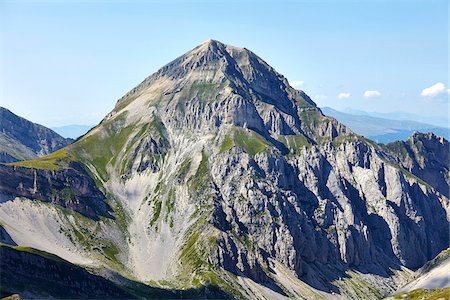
[
  {"x": 383, "y": 130},
  {"x": 21, "y": 139},
  {"x": 401, "y": 116}
]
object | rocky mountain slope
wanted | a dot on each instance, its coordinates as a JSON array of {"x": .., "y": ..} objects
[
  {"x": 21, "y": 139},
  {"x": 426, "y": 156},
  {"x": 38, "y": 274},
  {"x": 215, "y": 172},
  {"x": 32, "y": 274},
  {"x": 432, "y": 281},
  {"x": 383, "y": 130},
  {"x": 433, "y": 275}
]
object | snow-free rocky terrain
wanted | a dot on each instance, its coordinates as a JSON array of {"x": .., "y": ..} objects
[
  {"x": 214, "y": 176},
  {"x": 21, "y": 139}
]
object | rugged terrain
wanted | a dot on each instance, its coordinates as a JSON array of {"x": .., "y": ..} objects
[
  {"x": 21, "y": 139},
  {"x": 214, "y": 172}
]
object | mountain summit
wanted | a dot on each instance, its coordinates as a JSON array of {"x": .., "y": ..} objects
[
  {"x": 214, "y": 175},
  {"x": 216, "y": 84}
]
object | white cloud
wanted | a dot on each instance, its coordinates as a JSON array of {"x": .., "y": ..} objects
[
  {"x": 344, "y": 95},
  {"x": 296, "y": 83},
  {"x": 434, "y": 90},
  {"x": 372, "y": 94}
]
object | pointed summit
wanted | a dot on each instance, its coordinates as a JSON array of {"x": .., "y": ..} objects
[
  {"x": 212, "y": 43},
  {"x": 222, "y": 71}
]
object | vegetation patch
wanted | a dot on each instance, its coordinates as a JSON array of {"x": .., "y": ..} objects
[
  {"x": 184, "y": 169},
  {"x": 199, "y": 179},
  {"x": 103, "y": 147},
  {"x": 110, "y": 251},
  {"x": 156, "y": 211},
  {"x": 250, "y": 141},
  {"x": 54, "y": 161},
  {"x": 294, "y": 142},
  {"x": 424, "y": 294},
  {"x": 203, "y": 88},
  {"x": 34, "y": 251},
  {"x": 170, "y": 202},
  {"x": 227, "y": 144},
  {"x": 246, "y": 139},
  {"x": 122, "y": 103}
]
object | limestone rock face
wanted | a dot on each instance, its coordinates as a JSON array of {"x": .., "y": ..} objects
[
  {"x": 71, "y": 188},
  {"x": 218, "y": 172},
  {"x": 426, "y": 156}
]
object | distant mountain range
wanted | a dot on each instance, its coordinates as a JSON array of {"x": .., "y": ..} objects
[
  {"x": 21, "y": 139},
  {"x": 72, "y": 131},
  {"x": 401, "y": 115},
  {"x": 383, "y": 130}
]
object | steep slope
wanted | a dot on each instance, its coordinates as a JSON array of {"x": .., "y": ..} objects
[
  {"x": 36, "y": 274},
  {"x": 383, "y": 130},
  {"x": 433, "y": 275},
  {"x": 432, "y": 281},
  {"x": 217, "y": 172},
  {"x": 21, "y": 139}
]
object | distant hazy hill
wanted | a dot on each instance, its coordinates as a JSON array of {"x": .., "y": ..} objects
[
  {"x": 401, "y": 116},
  {"x": 383, "y": 130},
  {"x": 21, "y": 139},
  {"x": 72, "y": 131}
]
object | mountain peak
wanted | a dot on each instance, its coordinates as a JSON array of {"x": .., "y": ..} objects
[
  {"x": 230, "y": 85},
  {"x": 213, "y": 42}
]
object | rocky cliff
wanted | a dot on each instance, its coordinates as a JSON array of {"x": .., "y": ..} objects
[
  {"x": 71, "y": 188},
  {"x": 219, "y": 173},
  {"x": 426, "y": 156}
]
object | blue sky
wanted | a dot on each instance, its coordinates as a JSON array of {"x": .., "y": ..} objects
[{"x": 68, "y": 63}]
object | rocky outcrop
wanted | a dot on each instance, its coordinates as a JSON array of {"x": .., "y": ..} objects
[
  {"x": 427, "y": 156},
  {"x": 331, "y": 204},
  {"x": 71, "y": 188}
]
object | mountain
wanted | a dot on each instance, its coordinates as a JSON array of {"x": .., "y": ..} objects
[
  {"x": 382, "y": 130},
  {"x": 72, "y": 131},
  {"x": 21, "y": 139},
  {"x": 215, "y": 175},
  {"x": 402, "y": 116}
]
